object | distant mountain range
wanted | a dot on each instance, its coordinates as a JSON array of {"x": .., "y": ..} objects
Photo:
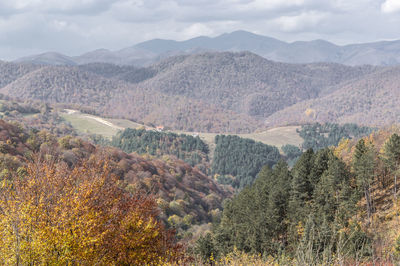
[
  {"x": 215, "y": 91},
  {"x": 146, "y": 53}
]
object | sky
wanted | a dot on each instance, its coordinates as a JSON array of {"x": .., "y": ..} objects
[{"x": 73, "y": 27}]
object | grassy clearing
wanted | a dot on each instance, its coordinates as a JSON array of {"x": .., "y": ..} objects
[
  {"x": 84, "y": 124},
  {"x": 91, "y": 124},
  {"x": 275, "y": 136},
  {"x": 278, "y": 136}
]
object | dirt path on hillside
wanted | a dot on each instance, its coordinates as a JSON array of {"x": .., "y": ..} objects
[{"x": 98, "y": 119}]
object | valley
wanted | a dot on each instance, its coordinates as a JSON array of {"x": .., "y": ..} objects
[{"x": 238, "y": 149}]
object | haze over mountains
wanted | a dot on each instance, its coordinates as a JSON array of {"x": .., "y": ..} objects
[{"x": 146, "y": 53}]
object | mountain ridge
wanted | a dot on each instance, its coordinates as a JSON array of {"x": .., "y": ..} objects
[{"x": 151, "y": 51}]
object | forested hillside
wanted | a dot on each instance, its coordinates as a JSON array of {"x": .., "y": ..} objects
[
  {"x": 237, "y": 161},
  {"x": 186, "y": 197},
  {"x": 126, "y": 73},
  {"x": 372, "y": 100},
  {"x": 64, "y": 85},
  {"x": 296, "y": 212},
  {"x": 335, "y": 206},
  {"x": 247, "y": 83},
  {"x": 190, "y": 149},
  {"x": 178, "y": 112},
  {"x": 11, "y": 71},
  {"x": 81, "y": 88},
  {"x": 211, "y": 92}
]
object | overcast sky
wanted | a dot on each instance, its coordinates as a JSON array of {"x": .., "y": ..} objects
[{"x": 73, "y": 27}]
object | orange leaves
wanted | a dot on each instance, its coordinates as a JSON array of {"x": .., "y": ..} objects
[{"x": 57, "y": 215}]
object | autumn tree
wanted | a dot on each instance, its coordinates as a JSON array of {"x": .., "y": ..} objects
[{"x": 57, "y": 215}]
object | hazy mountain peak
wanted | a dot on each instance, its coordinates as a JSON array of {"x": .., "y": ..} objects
[
  {"x": 48, "y": 58},
  {"x": 157, "y": 45},
  {"x": 148, "y": 52},
  {"x": 240, "y": 33},
  {"x": 247, "y": 35}
]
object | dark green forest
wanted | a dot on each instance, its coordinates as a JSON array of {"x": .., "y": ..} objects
[
  {"x": 241, "y": 158},
  {"x": 188, "y": 148},
  {"x": 299, "y": 212}
]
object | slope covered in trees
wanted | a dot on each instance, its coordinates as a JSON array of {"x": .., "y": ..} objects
[
  {"x": 186, "y": 197},
  {"x": 11, "y": 71},
  {"x": 64, "y": 85},
  {"x": 85, "y": 89},
  {"x": 247, "y": 83},
  {"x": 371, "y": 100},
  {"x": 185, "y": 147},
  {"x": 126, "y": 73},
  {"x": 305, "y": 213},
  {"x": 213, "y": 92},
  {"x": 336, "y": 206},
  {"x": 237, "y": 161}
]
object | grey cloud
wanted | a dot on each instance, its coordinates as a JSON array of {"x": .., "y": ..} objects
[
  {"x": 77, "y": 26},
  {"x": 69, "y": 7},
  {"x": 203, "y": 11},
  {"x": 390, "y": 6}
]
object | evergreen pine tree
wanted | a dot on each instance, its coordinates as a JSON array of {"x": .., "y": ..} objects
[
  {"x": 320, "y": 165},
  {"x": 364, "y": 166},
  {"x": 392, "y": 157},
  {"x": 301, "y": 187}
]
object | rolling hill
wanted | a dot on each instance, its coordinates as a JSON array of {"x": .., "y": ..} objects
[
  {"x": 214, "y": 92},
  {"x": 246, "y": 83},
  {"x": 63, "y": 84},
  {"x": 372, "y": 100},
  {"x": 115, "y": 97}
]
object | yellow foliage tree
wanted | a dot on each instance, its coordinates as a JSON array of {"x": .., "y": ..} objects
[{"x": 57, "y": 215}]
